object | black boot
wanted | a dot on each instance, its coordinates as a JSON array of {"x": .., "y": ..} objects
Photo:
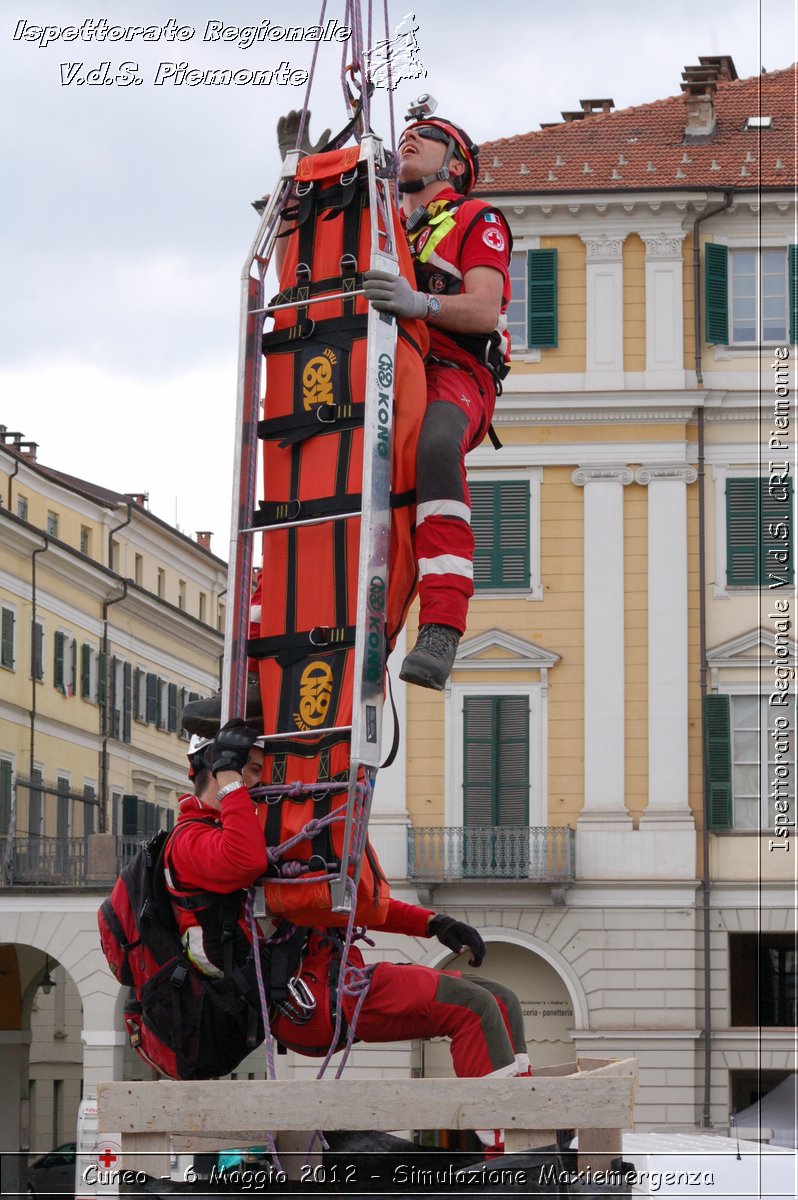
[
  {"x": 205, "y": 716},
  {"x": 429, "y": 663}
]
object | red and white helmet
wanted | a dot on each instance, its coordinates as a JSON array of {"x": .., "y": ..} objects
[
  {"x": 196, "y": 758},
  {"x": 458, "y": 143}
]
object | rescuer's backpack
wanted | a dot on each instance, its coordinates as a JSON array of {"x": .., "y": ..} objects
[{"x": 185, "y": 1024}]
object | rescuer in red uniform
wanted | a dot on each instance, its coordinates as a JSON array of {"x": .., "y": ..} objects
[
  {"x": 227, "y": 853},
  {"x": 461, "y": 253}
]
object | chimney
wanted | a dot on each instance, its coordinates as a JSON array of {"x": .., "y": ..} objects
[
  {"x": 589, "y": 107},
  {"x": 699, "y": 87},
  {"x": 204, "y": 538},
  {"x": 28, "y": 450},
  {"x": 140, "y": 498},
  {"x": 723, "y": 63}
]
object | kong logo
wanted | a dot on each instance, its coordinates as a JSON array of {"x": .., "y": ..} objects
[
  {"x": 376, "y": 594},
  {"x": 315, "y": 693},
  {"x": 317, "y": 380},
  {"x": 385, "y": 371}
]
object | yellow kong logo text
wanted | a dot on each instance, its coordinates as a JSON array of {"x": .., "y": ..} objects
[
  {"x": 317, "y": 380},
  {"x": 315, "y": 693}
]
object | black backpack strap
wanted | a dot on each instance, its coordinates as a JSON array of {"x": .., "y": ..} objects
[{"x": 285, "y": 956}]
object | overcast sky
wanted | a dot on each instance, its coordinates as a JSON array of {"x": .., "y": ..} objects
[{"x": 126, "y": 211}]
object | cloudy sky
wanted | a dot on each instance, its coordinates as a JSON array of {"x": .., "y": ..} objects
[{"x": 126, "y": 211}]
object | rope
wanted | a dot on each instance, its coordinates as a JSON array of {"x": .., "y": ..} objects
[
  {"x": 271, "y": 1067},
  {"x": 304, "y": 117}
]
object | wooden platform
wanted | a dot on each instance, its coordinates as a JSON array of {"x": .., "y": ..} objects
[{"x": 593, "y": 1096}]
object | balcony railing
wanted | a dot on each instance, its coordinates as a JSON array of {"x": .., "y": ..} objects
[
  {"x": 59, "y": 862},
  {"x": 539, "y": 854}
]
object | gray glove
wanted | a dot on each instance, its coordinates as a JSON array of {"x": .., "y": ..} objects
[
  {"x": 288, "y": 130},
  {"x": 393, "y": 294}
]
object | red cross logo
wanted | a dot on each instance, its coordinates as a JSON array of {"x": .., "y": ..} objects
[{"x": 105, "y": 1158}]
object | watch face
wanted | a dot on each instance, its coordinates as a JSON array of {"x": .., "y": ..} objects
[{"x": 433, "y": 306}]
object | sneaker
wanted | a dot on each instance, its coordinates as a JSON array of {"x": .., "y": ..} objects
[
  {"x": 429, "y": 663},
  {"x": 205, "y": 716}
]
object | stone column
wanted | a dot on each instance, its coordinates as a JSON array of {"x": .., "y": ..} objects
[
  {"x": 664, "y": 311},
  {"x": 604, "y": 814},
  {"x": 604, "y": 310}
]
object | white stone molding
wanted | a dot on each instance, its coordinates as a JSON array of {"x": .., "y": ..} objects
[
  {"x": 671, "y": 471},
  {"x": 604, "y": 315},
  {"x": 603, "y": 247},
  {"x": 664, "y": 246},
  {"x": 668, "y": 776},
  {"x": 604, "y": 637}
]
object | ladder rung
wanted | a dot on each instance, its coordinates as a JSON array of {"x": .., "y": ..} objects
[
  {"x": 300, "y": 733},
  {"x": 296, "y": 524},
  {"x": 270, "y": 308}
]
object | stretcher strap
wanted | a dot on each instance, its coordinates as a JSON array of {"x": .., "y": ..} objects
[
  {"x": 290, "y": 648},
  {"x": 274, "y": 512},
  {"x": 318, "y": 287},
  {"x": 290, "y": 339},
  {"x": 322, "y": 418}
]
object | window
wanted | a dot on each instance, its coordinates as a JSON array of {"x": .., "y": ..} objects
[
  {"x": 759, "y": 531},
  {"x": 742, "y": 737},
  {"x": 203, "y": 600},
  {"x": 532, "y": 311},
  {"x": 65, "y": 655},
  {"x": 140, "y": 694},
  {"x": 7, "y": 642},
  {"x": 750, "y": 295},
  {"x": 138, "y": 570},
  {"x": 768, "y": 962},
  {"x": 181, "y": 594},
  {"x": 121, "y": 699},
  {"x": 5, "y": 795},
  {"x": 38, "y": 650},
  {"x": 52, "y": 524},
  {"x": 220, "y": 618},
  {"x": 114, "y": 555},
  {"x": 500, "y": 521},
  {"x": 22, "y": 508},
  {"x": 161, "y": 583},
  {"x": 171, "y": 723},
  {"x": 89, "y": 672},
  {"x": 85, "y": 540},
  {"x": 63, "y": 813},
  {"x": 495, "y": 760}
]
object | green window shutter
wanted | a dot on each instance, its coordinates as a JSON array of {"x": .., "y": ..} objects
[
  {"x": 717, "y": 761},
  {"x": 127, "y": 701},
  {"x": 500, "y": 522},
  {"x": 58, "y": 662},
  {"x": 38, "y": 651},
  {"x": 116, "y": 700},
  {"x": 102, "y": 678},
  {"x": 496, "y": 760},
  {"x": 73, "y": 669},
  {"x": 130, "y": 815},
  {"x": 759, "y": 532},
  {"x": 7, "y": 639},
  {"x": 85, "y": 671},
  {"x": 716, "y": 294},
  {"x": 151, "y": 710},
  {"x": 542, "y": 299},
  {"x": 159, "y": 712},
  {"x": 5, "y": 795},
  {"x": 172, "y": 705},
  {"x": 89, "y": 811},
  {"x": 793, "y": 267}
]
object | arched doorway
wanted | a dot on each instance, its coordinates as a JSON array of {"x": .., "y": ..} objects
[{"x": 546, "y": 1004}]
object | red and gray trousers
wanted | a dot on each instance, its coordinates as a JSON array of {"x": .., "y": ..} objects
[{"x": 459, "y": 411}]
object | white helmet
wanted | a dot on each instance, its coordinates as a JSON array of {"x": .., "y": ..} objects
[{"x": 196, "y": 746}]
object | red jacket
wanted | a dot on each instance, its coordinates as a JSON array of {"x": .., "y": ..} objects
[{"x": 227, "y": 852}]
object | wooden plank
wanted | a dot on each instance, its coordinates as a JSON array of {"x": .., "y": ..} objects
[
  {"x": 148, "y": 1152},
  {"x": 558, "y": 1069},
  {"x": 605, "y": 1067},
  {"x": 233, "y": 1106},
  {"x": 518, "y": 1140},
  {"x": 597, "y": 1149}
]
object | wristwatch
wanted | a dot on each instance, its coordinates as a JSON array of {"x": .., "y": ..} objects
[
  {"x": 433, "y": 307},
  {"x": 228, "y": 788}
]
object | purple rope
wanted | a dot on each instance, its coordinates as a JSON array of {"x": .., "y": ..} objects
[
  {"x": 271, "y": 1069},
  {"x": 304, "y": 116}
]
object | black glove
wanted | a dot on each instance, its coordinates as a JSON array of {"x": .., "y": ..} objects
[
  {"x": 231, "y": 747},
  {"x": 458, "y": 936},
  {"x": 288, "y": 131}
]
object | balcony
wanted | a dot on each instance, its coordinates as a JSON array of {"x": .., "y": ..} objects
[
  {"x": 542, "y": 854},
  {"x": 61, "y": 862}
]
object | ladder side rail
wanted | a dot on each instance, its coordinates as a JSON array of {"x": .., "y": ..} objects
[
  {"x": 372, "y": 591},
  {"x": 245, "y": 464}
]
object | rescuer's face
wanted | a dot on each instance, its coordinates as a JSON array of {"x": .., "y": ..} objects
[{"x": 419, "y": 156}]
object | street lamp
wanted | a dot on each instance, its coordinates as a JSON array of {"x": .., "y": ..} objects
[{"x": 47, "y": 983}]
